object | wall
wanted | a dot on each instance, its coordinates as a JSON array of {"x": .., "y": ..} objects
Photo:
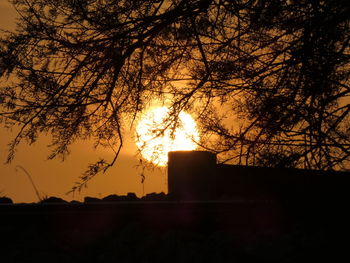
[{"x": 194, "y": 175}]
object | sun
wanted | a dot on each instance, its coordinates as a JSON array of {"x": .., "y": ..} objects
[{"x": 154, "y": 141}]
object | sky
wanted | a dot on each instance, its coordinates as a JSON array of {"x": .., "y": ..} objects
[{"x": 56, "y": 178}]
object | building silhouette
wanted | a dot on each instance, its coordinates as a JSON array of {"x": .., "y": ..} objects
[{"x": 195, "y": 175}]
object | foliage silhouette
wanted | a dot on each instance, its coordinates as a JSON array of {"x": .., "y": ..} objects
[{"x": 266, "y": 80}]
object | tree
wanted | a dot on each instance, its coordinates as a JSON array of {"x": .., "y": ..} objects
[{"x": 266, "y": 80}]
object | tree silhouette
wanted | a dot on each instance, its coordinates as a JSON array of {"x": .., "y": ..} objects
[{"x": 266, "y": 80}]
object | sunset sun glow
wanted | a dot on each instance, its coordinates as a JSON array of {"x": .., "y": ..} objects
[{"x": 154, "y": 141}]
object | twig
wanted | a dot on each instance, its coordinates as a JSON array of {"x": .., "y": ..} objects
[{"x": 31, "y": 181}]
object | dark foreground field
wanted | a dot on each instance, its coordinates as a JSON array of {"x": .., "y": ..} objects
[{"x": 165, "y": 231}]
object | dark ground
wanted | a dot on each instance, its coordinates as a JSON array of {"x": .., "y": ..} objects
[{"x": 168, "y": 231}]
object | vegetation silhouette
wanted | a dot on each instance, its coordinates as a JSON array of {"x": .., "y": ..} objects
[
  {"x": 174, "y": 231},
  {"x": 267, "y": 81},
  {"x": 5, "y": 200}
]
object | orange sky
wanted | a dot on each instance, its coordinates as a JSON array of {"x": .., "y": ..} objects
[{"x": 55, "y": 178}]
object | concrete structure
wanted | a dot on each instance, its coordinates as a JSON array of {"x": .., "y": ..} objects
[
  {"x": 194, "y": 175},
  {"x": 191, "y": 175}
]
